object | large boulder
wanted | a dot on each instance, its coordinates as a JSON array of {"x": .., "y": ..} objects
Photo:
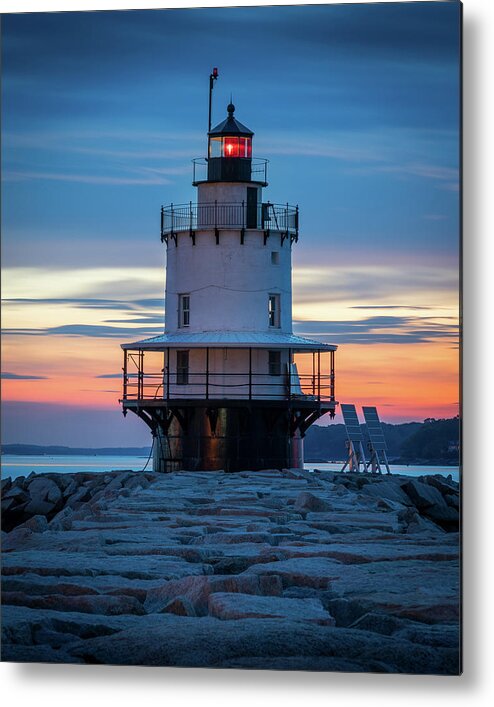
[
  {"x": 390, "y": 490},
  {"x": 45, "y": 497},
  {"x": 209, "y": 642},
  {"x": 423, "y": 495},
  {"x": 44, "y": 489},
  {"x": 197, "y": 590},
  {"x": 38, "y": 524},
  {"x": 308, "y": 502},
  {"x": 247, "y": 606},
  {"x": 84, "y": 603}
]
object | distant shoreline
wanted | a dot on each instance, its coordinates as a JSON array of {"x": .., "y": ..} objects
[
  {"x": 31, "y": 450},
  {"x": 28, "y": 450}
]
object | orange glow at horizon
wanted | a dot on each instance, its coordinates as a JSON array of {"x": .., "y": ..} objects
[{"x": 405, "y": 380}]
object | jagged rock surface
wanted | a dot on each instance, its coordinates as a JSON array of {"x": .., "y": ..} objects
[{"x": 276, "y": 570}]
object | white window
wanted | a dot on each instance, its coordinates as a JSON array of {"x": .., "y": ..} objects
[
  {"x": 183, "y": 310},
  {"x": 274, "y": 311}
]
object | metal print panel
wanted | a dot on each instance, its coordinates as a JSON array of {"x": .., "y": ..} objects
[{"x": 186, "y": 480}]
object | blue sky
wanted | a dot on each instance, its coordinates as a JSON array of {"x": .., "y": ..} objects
[
  {"x": 109, "y": 107},
  {"x": 355, "y": 106}
]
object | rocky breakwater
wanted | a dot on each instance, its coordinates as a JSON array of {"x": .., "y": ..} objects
[{"x": 269, "y": 570}]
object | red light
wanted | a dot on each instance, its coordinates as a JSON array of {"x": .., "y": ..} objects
[
  {"x": 230, "y": 147},
  {"x": 215, "y": 73}
]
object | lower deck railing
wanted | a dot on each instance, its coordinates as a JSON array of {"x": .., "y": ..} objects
[{"x": 234, "y": 386}]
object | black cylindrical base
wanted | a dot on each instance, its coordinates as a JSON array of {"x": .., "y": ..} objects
[{"x": 227, "y": 438}]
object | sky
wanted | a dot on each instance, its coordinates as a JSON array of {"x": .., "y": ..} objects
[{"x": 357, "y": 109}]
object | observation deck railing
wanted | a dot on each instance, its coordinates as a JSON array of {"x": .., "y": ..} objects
[
  {"x": 216, "y": 215},
  {"x": 203, "y": 386},
  {"x": 166, "y": 385}
]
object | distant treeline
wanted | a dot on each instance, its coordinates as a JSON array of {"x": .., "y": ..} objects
[
  {"x": 419, "y": 442},
  {"x": 411, "y": 442}
]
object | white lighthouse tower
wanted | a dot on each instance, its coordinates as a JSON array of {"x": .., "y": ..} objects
[{"x": 228, "y": 385}]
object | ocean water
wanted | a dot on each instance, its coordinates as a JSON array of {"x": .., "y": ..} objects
[{"x": 14, "y": 465}]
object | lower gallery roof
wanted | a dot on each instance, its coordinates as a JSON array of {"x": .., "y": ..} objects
[{"x": 230, "y": 339}]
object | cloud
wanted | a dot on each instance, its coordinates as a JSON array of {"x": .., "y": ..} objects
[
  {"x": 379, "y": 330},
  {"x": 19, "y": 175},
  {"x": 21, "y": 377},
  {"x": 387, "y": 306},
  {"x": 86, "y": 330},
  {"x": 145, "y": 319},
  {"x": 90, "y": 284},
  {"x": 89, "y": 303},
  {"x": 364, "y": 284},
  {"x": 445, "y": 175}
]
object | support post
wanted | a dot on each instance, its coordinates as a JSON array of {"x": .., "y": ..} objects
[
  {"x": 332, "y": 376},
  {"x": 191, "y": 230},
  {"x": 207, "y": 373},
  {"x": 319, "y": 376},
  {"x": 124, "y": 392},
  {"x": 289, "y": 374},
  {"x": 140, "y": 376},
  {"x": 313, "y": 373},
  {"x": 250, "y": 374},
  {"x": 168, "y": 374}
]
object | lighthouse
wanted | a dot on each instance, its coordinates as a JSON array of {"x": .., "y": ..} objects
[{"x": 228, "y": 385}]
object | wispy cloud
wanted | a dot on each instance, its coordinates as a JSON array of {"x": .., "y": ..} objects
[
  {"x": 438, "y": 173},
  {"x": 380, "y": 330},
  {"x": 16, "y": 176},
  {"x": 21, "y": 377},
  {"x": 87, "y": 303},
  {"x": 86, "y": 330}
]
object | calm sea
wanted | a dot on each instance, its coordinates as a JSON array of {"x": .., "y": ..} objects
[{"x": 14, "y": 465}]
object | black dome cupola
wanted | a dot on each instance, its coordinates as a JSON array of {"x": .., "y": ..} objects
[{"x": 230, "y": 150}]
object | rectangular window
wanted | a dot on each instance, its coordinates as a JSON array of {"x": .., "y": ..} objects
[
  {"x": 182, "y": 367},
  {"x": 183, "y": 310},
  {"x": 275, "y": 257},
  {"x": 274, "y": 311},
  {"x": 274, "y": 363}
]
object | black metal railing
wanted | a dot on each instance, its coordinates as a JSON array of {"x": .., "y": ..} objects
[
  {"x": 180, "y": 218},
  {"x": 316, "y": 383},
  {"x": 240, "y": 386},
  {"x": 258, "y": 170}
]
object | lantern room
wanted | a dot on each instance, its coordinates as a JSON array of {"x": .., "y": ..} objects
[{"x": 230, "y": 151}]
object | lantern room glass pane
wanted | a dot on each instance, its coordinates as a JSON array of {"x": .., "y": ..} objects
[
  {"x": 246, "y": 147},
  {"x": 231, "y": 147},
  {"x": 215, "y": 147}
]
